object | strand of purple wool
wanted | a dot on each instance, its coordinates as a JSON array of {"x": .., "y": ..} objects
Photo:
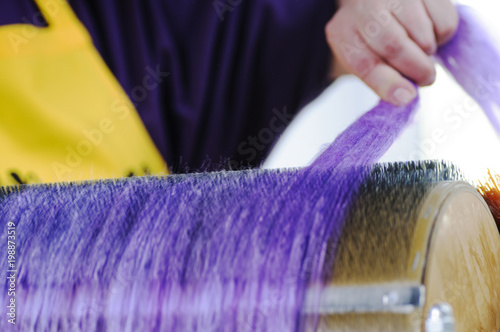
[{"x": 473, "y": 58}]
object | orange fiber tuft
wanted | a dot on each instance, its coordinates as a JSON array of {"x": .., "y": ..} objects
[{"x": 491, "y": 194}]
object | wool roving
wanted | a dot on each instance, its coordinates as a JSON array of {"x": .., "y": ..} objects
[{"x": 472, "y": 57}]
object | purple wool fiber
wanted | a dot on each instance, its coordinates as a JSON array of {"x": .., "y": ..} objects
[
  {"x": 473, "y": 58},
  {"x": 367, "y": 139},
  {"x": 230, "y": 251}
]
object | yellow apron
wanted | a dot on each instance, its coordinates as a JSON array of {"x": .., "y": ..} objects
[{"x": 63, "y": 115}]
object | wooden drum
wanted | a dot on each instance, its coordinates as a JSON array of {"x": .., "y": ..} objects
[{"x": 419, "y": 252}]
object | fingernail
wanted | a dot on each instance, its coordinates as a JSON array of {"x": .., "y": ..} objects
[
  {"x": 432, "y": 50},
  {"x": 403, "y": 96},
  {"x": 430, "y": 80}
]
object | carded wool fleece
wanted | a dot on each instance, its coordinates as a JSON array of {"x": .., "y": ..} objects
[{"x": 206, "y": 252}]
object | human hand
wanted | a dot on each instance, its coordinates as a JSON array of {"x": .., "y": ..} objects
[{"x": 386, "y": 43}]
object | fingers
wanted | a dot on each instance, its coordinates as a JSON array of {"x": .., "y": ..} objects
[
  {"x": 445, "y": 17},
  {"x": 415, "y": 19},
  {"x": 354, "y": 54},
  {"x": 393, "y": 45},
  {"x": 387, "y": 42},
  {"x": 387, "y": 82}
]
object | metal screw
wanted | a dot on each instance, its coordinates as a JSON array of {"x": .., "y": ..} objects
[{"x": 440, "y": 319}]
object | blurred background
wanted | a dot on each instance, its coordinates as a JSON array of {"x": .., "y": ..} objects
[{"x": 448, "y": 125}]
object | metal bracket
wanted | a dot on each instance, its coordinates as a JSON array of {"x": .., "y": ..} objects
[{"x": 392, "y": 298}]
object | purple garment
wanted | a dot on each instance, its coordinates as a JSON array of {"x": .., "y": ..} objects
[{"x": 238, "y": 70}]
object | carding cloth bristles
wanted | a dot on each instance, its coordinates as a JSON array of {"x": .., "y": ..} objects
[
  {"x": 220, "y": 251},
  {"x": 384, "y": 212}
]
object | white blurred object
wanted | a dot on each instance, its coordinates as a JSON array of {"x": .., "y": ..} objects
[{"x": 449, "y": 125}]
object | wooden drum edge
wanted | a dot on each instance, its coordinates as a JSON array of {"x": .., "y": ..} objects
[{"x": 462, "y": 263}]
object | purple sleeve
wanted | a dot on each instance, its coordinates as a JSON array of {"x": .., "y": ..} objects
[{"x": 237, "y": 69}]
